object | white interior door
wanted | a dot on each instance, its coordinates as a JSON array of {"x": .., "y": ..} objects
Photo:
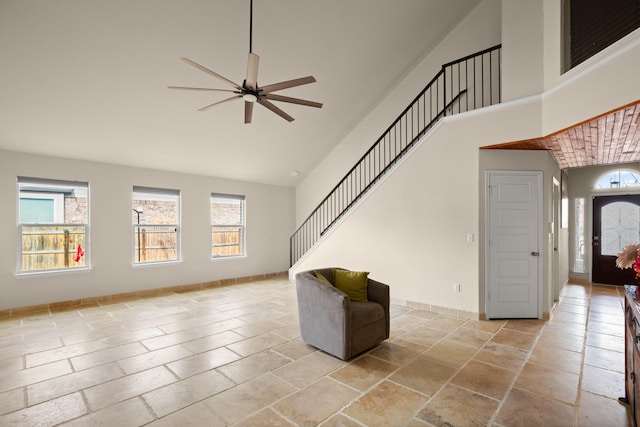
[{"x": 513, "y": 255}]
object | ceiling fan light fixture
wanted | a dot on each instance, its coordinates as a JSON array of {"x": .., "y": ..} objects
[{"x": 250, "y": 97}]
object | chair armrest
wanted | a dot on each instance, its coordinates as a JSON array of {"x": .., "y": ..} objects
[
  {"x": 379, "y": 292},
  {"x": 325, "y": 314}
]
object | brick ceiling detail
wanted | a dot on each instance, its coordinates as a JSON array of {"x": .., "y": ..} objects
[{"x": 612, "y": 138}]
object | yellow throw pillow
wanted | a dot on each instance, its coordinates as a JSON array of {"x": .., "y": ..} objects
[
  {"x": 352, "y": 283},
  {"x": 322, "y": 278}
]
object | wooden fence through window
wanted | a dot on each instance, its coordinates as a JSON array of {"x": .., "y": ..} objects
[
  {"x": 155, "y": 243},
  {"x": 226, "y": 241},
  {"x": 50, "y": 247}
]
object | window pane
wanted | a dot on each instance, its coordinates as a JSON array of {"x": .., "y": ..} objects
[
  {"x": 619, "y": 179},
  {"x": 227, "y": 241},
  {"x": 227, "y": 225},
  {"x": 36, "y": 210},
  {"x": 52, "y": 247},
  {"x": 155, "y": 243},
  {"x": 578, "y": 248},
  {"x": 620, "y": 227},
  {"x": 156, "y": 206},
  {"x": 155, "y": 218},
  {"x": 226, "y": 211},
  {"x": 52, "y": 230}
]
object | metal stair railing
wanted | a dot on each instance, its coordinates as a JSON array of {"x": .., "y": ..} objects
[{"x": 462, "y": 85}]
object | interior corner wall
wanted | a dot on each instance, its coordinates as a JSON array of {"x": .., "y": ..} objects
[
  {"x": 479, "y": 30},
  {"x": 553, "y": 40},
  {"x": 522, "y": 49},
  {"x": 270, "y": 220}
]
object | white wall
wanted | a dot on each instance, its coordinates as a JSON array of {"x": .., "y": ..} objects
[
  {"x": 522, "y": 48},
  {"x": 269, "y": 223},
  {"x": 410, "y": 232},
  {"x": 477, "y": 31},
  {"x": 605, "y": 82},
  {"x": 553, "y": 41}
]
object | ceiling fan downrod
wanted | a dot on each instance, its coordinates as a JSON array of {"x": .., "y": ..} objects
[{"x": 250, "y": 25}]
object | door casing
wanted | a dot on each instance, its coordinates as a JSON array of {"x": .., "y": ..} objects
[{"x": 541, "y": 248}]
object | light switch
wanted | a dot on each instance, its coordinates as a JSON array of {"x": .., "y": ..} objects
[{"x": 470, "y": 237}]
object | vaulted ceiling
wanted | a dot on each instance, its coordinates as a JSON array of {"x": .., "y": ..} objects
[
  {"x": 611, "y": 138},
  {"x": 88, "y": 79}
]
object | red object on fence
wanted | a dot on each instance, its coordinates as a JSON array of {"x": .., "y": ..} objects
[{"x": 79, "y": 254}]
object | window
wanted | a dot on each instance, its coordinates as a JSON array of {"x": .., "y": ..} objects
[
  {"x": 227, "y": 225},
  {"x": 52, "y": 224},
  {"x": 619, "y": 179},
  {"x": 593, "y": 25},
  {"x": 579, "y": 236},
  {"x": 156, "y": 225},
  {"x": 564, "y": 200}
]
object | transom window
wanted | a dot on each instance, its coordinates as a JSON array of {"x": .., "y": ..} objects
[
  {"x": 227, "y": 225},
  {"x": 622, "y": 178},
  {"x": 52, "y": 224},
  {"x": 156, "y": 225}
]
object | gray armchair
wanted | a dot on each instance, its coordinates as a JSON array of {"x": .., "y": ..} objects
[{"x": 330, "y": 321}]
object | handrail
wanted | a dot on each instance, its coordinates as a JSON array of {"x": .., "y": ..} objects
[{"x": 475, "y": 81}]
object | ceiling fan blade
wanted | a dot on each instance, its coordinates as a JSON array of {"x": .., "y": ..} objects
[
  {"x": 205, "y": 108},
  {"x": 252, "y": 71},
  {"x": 208, "y": 71},
  {"x": 202, "y": 88},
  {"x": 275, "y": 109},
  {"x": 274, "y": 97},
  {"x": 289, "y": 83},
  {"x": 248, "y": 112}
]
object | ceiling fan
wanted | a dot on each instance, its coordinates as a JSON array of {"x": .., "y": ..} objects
[{"x": 249, "y": 91}]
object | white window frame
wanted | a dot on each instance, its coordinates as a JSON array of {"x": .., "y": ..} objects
[
  {"x": 241, "y": 225},
  {"x": 51, "y": 189},
  {"x": 141, "y": 194}
]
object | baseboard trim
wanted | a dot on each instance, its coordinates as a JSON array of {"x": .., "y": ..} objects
[
  {"x": 545, "y": 316},
  {"x": 437, "y": 309},
  {"x": 126, "y": 296}
]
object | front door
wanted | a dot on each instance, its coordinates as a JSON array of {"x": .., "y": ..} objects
[
  {"x": 513, "y": 210},
  {"x": 616, "y": 223}
]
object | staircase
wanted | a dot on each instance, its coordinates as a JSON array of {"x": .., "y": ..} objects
[{"x": 463, "y": 85}]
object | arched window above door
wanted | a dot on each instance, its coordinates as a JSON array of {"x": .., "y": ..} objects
[{"x": 621, "y": 178}]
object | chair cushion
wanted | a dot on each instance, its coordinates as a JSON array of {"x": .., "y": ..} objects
[
  {"x": 352, "y": 283},
  {"x": 364, "y": 313}
]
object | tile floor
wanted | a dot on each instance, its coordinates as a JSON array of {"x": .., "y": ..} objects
[{"x": 232, "y": 356}]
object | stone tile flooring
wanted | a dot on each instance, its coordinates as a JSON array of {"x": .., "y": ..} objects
[{"x": 232, "y": 355}]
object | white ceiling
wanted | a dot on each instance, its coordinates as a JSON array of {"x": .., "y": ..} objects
[{"x": 87, "y": 79}]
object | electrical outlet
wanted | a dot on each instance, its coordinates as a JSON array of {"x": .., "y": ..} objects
[{"x": 456, "y": 287}]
